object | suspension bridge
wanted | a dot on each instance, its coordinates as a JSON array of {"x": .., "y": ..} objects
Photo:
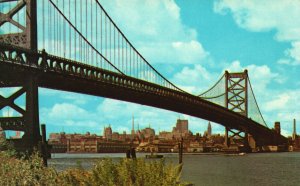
[{"x": 74, "y": 45}]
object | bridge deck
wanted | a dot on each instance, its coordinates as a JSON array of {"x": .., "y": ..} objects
[{"x": 61, "y": 74}]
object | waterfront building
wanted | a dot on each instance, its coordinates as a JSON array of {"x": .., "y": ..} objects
[
  {"x": 86, "y": 143},
  {"x": 181, "y": 130},
  {"x": 107, "y": 134},
  {"x": 145, "y": 140},
  {"x": 115, "y": 136},
  {"x": 148, "y": 133},
  {"x": 164, "y": 135},
  {"x": 156, "y": 146},
  {"x": 195, "y": 147}
]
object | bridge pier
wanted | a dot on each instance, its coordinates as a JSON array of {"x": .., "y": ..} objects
[
  {"x": 227, "y": 138},
  {"x": 241, "y": 140},
  {"x": 28, "y": 121},
  {"x": 32, "y": 124}
]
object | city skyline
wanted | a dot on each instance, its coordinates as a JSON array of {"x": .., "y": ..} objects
[{"x": 192, "y": 43}]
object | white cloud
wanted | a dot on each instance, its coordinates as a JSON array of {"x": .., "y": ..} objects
[
  {"x": 288, "y": 99},
  {"x": 280, "y": 102},
  {"x": 260, "y": 76},
  {"x": 292, "y": 55},
  {"x": 67, "y": 111},
  {"x": 265, "y": 15},
  {"x": 259, "y": 16},
  {"x": 195, "y": 79},
  {"x": 155, "y": 27}
]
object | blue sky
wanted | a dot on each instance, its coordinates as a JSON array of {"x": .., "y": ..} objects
[{"x": 192, "y": 43}]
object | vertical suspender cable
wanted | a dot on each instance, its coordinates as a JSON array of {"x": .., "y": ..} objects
[
  {"x": 105, "y": 33},
  {"x": 75, "y": 35},
  {"x": 110, "y": 43},
  {"x": 96, "y": 34},
  {"x": 86, "y": 31},
  {"x": 59, "y": 34},
  {"x": 119, "y": 50},
  {"x": 126, "y": 59},
  {"x": 101, "y": 37},
  {"x": 81, "y": 46},
  {"x": 123, "y": 69},
  {"x": 48, "y": 29},
  {"x": 64, "y": 30},
  {"x": 52, "y": 33},
  {"x": 56, "y": 32},
  {"x": 92, "y": 56},
  {"x": 43, "y": 4},
  {"x": 70, "y": 42},
  {"x": 114, "y": 46}
]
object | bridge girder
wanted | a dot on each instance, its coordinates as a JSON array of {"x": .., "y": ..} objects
[{"x": 81, "y": 78}]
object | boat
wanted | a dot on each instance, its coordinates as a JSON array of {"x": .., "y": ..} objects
[{"x": 151, "y": 156}]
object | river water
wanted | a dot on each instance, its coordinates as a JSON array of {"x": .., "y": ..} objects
[{"x": 219, "y": 169}]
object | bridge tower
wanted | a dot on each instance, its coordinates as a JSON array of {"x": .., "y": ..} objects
[
  {"x": 236, "y": 99},
  {"x": 26, "y": 38}
]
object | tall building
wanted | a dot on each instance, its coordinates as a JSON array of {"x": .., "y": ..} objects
[
  {"x": 107, "y": 133},
  {"x": 181, "y": 129},
  {"x": 209, "y": 130},
  {"x": 294, "y": 130},
  {"x": 182, "y": 126},
  {"x": 148, "y": 132},
  {"x": 277, "y": 127}
]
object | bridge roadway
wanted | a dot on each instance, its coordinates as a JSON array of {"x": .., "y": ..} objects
[{"x": 52, "y": 72}]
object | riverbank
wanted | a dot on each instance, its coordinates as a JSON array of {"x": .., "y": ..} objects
[
  {"x": 214, "y": 170},
  {"x": 104, "y": 171}
]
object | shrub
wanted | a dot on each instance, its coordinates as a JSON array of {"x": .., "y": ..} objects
[{"x": 126, "y": 172}]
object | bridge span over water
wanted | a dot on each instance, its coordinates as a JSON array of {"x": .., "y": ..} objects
[{"x": 82, "y": 50}]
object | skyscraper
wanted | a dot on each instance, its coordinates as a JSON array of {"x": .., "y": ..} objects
[
  {"x": 108, "y": 132},
  {"x": 209, "y": 129}
]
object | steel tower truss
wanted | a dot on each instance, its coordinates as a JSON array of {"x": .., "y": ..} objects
[
  {"x": 236, "y": 99},
  {"x": 26, "y": 38}
]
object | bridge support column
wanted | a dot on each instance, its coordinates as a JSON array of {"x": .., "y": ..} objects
[
  {"x": 21, "y": 119},
  {"x": 32, "y": 126},
  {"x": 236, "y": 100},
  {"x": 227, "y": 139},
  {"x": 237, "y": 138}
]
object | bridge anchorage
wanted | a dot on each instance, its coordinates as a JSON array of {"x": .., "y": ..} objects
[{"x": 96, "y": 58}]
